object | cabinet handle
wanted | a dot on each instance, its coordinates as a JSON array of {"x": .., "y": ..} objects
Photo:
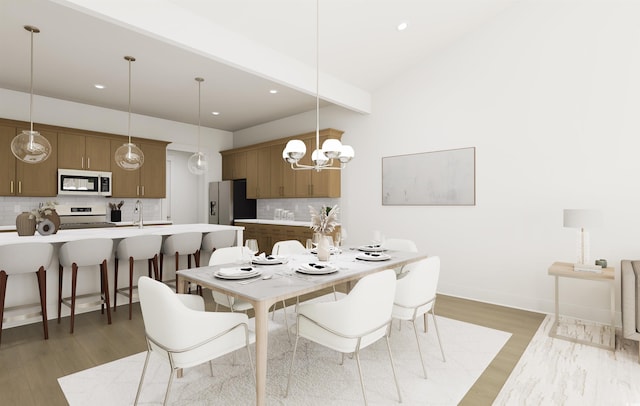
[
  {"x": 138, "y": 190},
  {"x": 142, "y": 190},
  {"x": 19, "y": 187},
  {"x": 82, "y": 162},
  {"x": 88, "y": 163},
  {"x": 11, "y": 187}
]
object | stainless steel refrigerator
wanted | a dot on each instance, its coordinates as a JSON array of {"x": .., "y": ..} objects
[{"x": 228, "y": 201}]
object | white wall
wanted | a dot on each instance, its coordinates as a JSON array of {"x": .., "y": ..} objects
[
  {"x": 548, "y": 93},
  {"x": 182, "y": 137}
]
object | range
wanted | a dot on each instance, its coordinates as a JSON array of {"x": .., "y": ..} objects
[{"x": 74, "y": 217}]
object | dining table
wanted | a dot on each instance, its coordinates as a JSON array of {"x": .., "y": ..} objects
[{"x": 289, "y": 277}]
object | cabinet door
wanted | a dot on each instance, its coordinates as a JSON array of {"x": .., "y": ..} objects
[
  {"x": 8, "y": 186},
  {"x": 125, "y": 183},
  {"x": 264, "y": 172},
  {"x": 252, "y": 174},
  {"x": 303, "y": 178},
  {"x": 282, "y": 176},
  {"x": 227, "y": 166},
  {"x": 97, "y": 154},
  {"x": 239, "y": 165},
  {"x": 39, "y": 179},
  {"x": 71, "y": 151},
  {"x": 153, "y": 174}
]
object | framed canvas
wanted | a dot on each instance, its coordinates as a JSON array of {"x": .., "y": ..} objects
[{"x": 438, "y": 178}]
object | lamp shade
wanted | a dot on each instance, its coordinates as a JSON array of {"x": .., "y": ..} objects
[
  {"x": 582, "y": 218},
  {"x": 197, "y": 163}
]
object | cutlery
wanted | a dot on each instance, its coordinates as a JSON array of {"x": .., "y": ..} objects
[{"x": 255, "y": 280}]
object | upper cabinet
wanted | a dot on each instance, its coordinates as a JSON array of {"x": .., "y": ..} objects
[
  {"x": 269, "y": 176},
  {"x": 18, "y": 178},
  {"x": 147, "y": 182},
  {"x": 78, "y": 151}
]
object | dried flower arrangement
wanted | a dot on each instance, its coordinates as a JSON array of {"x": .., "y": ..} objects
[
  {"x": 324, "y": 221},
  {"x": 46, "y": 209}
]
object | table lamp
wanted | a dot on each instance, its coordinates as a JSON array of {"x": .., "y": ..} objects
[{"x": 582, "y": 219}]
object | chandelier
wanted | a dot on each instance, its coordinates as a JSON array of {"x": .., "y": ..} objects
[{"x": 321, "y": 158}]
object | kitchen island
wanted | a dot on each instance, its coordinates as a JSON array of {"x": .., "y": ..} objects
[{"x": 23, "y": 289}]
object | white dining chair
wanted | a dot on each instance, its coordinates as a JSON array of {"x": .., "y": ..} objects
[
  {"x": 288, "y": 247},
  {"x": 352, "y": 323},
  {"x": 416, "y": 296},
  {"x": 179, "y": 330},
  {"x": 216, "y": 239},
  {"x": 401, "y": 244}
]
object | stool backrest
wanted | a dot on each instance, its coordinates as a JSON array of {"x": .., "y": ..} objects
[
  {"x": 25, "y": 257},
  {"x": 85, "y": 252},
  {"x": 139, "y": 247},
  {"x": 218, "y": 239},
  {"x": 184, "y": 243}
]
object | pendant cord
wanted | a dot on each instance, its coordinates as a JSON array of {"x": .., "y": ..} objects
[
  {"x": 129, "y": 123},
  {"x": 318, "y": 74},
  {"x": 199, "y": 104},
  {"x": 31, "y": 87}
]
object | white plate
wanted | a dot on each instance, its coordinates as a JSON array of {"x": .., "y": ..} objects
[
  {"x": 372, "y": 248},
  {"x": 317, "y": 269},
  {"x": 373, "y": 256},
  {"x": 240, "y": 274},
  {"x": 269, "y": 260},
  {"x": 331, "y": 251}
]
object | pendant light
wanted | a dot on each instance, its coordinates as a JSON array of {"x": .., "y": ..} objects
[
  {"x": 331, "y": 148},
  {"x": 31, "y": 146},
  {"x": 197, "y": 163},
  {"x": 128, "y": 156}
]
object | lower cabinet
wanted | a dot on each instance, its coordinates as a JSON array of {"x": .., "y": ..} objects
[{"x": 268, "y": 234}]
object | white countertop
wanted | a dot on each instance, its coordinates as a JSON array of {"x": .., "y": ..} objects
[
  {"x": 117, "y": 224},
  {"x": 112, "y": 232},
  {"x": 276, "y": 222}
]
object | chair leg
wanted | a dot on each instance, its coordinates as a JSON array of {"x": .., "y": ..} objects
[
  {"x": 415, "y": 331},
  {"x": 105, "y": 288},
  {"x": 3, "y": 290},
  {"x": 131, "y": 264},
  {"x": 115, "y": 283},
  {"x": 42, "y": 287},
  {"x": 393, "y": 368},
  {"x": 144, "y": 371},
  {"x": 286, "y": 321},
  {"x": 166, "y": 395},
  {"x": 293, "y": 357},
  {"x": 435, "y": 324},
  {"x": 60, "y": 269},
  {"x": 364, "y": 395},
  {"x": 74, "y": 279}
]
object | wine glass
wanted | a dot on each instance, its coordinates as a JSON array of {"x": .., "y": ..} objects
[
  {"x": 309, "y": 244},
  {"x": 252, "y": 247},
  {"x": 337, "y": 238}
]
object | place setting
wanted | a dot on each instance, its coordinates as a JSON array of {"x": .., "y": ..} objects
[
  {"x": 317, "y": 268},
  {"x": 373, "y": 256},
  {"x": 237, "y": 272},
  {"x": 264, "y": 259}
]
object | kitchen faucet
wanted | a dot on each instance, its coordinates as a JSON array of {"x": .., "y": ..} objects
[{"x": 138, "y": 209}]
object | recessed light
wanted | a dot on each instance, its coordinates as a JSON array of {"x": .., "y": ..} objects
[
  {"x": 98, "y": 86},
  {"x": 215, "y": 113},
  {"x": 403, "y": 26},
  {"x": 273, "y": 91}
]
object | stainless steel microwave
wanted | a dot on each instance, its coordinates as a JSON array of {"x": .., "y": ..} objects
[{"x": 84, "y": 183}]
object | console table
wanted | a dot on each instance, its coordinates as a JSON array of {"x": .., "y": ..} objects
[{"x": 565, "y": 270}]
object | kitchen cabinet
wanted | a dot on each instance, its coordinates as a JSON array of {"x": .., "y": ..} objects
[
  {"x": 259, "y": 173},
  {"x": 234, "y": 166},
  {"x": 22, "y": 179},
  {"x": 311, "y": 183},
  {"x": 268, "y": 234},
  {"x": 283, "y": 181},
  {"x": 150, "y": 180},
  {"x": 79, "y": 151}
]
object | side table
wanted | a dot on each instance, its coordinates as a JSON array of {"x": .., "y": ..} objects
[{"x": 565, "y": 270}]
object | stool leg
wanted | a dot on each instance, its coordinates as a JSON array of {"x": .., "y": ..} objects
[
  {"x": 154, "y": 260},
  {"x": 197, "y": 258},
  {"x": 60, "y": 269},
  {"x": 42, "y": 287},
  {"x": 177, "y": 268},
  {"x": 131, "y": 261},
  {"x": 149, "y": 269},
  {"x": 161, "y": 261},
  {"x": 3, "y": 290},
  {"x": 115, "y": 283},
  {"x": 74, "y": 279},
  {"x": 105, "y": 288}
]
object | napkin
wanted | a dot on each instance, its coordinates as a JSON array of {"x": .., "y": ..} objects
[{"x": 235, "y": 271}]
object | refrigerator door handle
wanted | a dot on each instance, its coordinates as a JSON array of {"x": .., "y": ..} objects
[{"x": 212, "y": 208}]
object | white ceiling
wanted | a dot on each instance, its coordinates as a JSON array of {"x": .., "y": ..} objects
[{"x": 243, "y": 48}]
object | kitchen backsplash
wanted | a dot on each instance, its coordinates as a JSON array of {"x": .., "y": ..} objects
[
  {"x": 300, "y": 207},
  {"x": 10, "y": 207}
]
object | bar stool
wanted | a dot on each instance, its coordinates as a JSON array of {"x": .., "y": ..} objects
[
  {"x": 90, "y": 252},
  {"x": 136, "y": 248},
  {"x": 181, "y": 244},
  {"x": 25, "y": 258},
  {"x": 217, "y": 239}
]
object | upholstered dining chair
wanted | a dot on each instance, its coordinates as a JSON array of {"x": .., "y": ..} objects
[
  {"x": 217, "y": 239},
  {"x": 23, "y": 258},
  {"x": 179, "y": 330},
  {"x": 401, "y": 244},
  {"x": 352, "y": 323},
  {"x": 416, "y": 296},
  {"x": 288, "y": 247}
]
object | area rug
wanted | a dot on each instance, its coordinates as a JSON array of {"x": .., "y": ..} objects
[
  {"x": 558, "y": 372},
  {"x": 318, "y": 378}
]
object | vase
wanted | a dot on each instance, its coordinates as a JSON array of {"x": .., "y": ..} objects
[
  {"x": 55, "y": 220},
  {"x": 25, "y": 225},
  {"x": 324, "y": 249}
]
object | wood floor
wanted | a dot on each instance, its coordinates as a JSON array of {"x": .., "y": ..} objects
[{"x": 30, "y": 365}]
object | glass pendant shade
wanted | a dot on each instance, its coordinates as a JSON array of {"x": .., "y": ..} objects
[
  {"x": 294, "y": 151},
  {"x": 331, "y": 148},
  {"x": 346, "y": 154},
  {"x": 319, "y": 158},
  {"x": 197, "y": 163},
  {"x": 129, "y": 157},
  {"x": 31, "y": 147}
]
